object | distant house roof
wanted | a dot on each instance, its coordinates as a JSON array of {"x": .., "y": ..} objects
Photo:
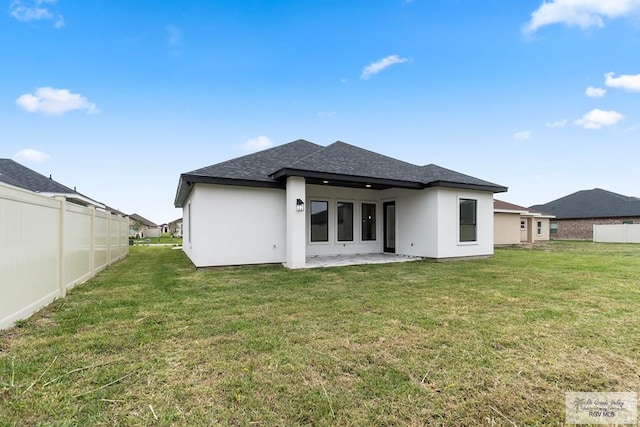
[
  {"x": 175, "y": 221},
  {"x": 596, "y": 203},
  {"x": 499, "y": 205},
  {"x": 142, "y": 220},
  {"x": 502, "y": 206},
  {"x": 339, "y": 164},
  {"x": 114, "y": 211},
  {"x": 15, "y": 174}
]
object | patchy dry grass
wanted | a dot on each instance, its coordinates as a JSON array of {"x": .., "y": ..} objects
[{"x": 490, "y": 342}]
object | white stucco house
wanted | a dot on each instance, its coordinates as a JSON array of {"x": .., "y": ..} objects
[{"x": 300, "y": 199}]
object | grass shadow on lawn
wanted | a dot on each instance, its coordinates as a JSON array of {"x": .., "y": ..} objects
[{"x": 154, "y": 341}]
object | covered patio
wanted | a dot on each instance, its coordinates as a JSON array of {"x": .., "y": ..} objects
[{"x": 356, "y": 259}]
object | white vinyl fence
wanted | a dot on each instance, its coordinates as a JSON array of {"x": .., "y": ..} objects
[
  {"x": 617, "y": 233},
  {"x": 49, "y": 245}
]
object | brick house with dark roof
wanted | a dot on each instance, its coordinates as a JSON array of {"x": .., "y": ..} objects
[
  {"x": 302, "y": 199},
  {"x": 577, "y": 213}
]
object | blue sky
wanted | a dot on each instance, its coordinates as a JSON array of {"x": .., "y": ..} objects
[{"x": 118, "y": 98}]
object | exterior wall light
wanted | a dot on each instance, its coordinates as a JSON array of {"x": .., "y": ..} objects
[{"x": 299, "y": 205}]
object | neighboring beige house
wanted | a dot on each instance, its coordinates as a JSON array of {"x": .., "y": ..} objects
[{"x": 515, "y": 224}]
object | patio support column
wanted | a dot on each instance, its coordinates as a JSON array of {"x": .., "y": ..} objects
[
  {"x": 296, "y": 241},
  {"x": 530, "y": 238}
]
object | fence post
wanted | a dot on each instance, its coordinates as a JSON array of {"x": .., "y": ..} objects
[
  {"x": 61, "y": 232},
  {"x": 108, "y": 238},
  {"x": 92, "y": 241}
]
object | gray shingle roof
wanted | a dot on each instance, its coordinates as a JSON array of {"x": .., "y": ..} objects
[
  {"x": 142, "y": 220},
  {"x": 339, "y": 162},
  {"x": 345, "y": 159},
  {"x": 259, "y": 166},
  {"x": 434, "y": 173},
  {"x": 15, "y": 174},
  {"x": 596, "y": 203}
]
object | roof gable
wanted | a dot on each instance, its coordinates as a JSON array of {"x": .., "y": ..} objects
[{"x": 596, "y": 203}]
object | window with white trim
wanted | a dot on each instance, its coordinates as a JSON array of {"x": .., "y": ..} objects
[{"x": 468, "y": 218}]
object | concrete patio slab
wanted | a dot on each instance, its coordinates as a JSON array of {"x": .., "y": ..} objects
[{"x": 356, "y": 259}]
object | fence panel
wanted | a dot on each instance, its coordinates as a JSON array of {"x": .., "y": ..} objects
[
  {"x": 29, "y": 264},
  {"x": 48, "y": 245},
  {"x": 101, "y": 228},
  {"x": 617, "y": 233},
  {"x": 77, "y": 244}
]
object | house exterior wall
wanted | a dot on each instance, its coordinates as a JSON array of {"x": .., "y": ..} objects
[
  {"x": 544, "y": 235},
  {"x": 152, "y": 232},
  {"x": 449, "y": 245},
  {"x": 427, "y": 221},
  {"x": 506, "y": 229},
  {"x": 233, "y": 225},
  {"x": 582, "y": 229},
  {"x": 416, "y": 221}
]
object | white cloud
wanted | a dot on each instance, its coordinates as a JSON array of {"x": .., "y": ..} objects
[
  {"x": 581, "y": 13},
  {"x": 31, "y": 155},
  {"x": 256, "y": 144},
  {"x": 556, "y": 124},
  {"x": 376, "y": 67},
  {"x": 595, "y": 92},
  {"x": 625, "y": 81},
  {"x": 174, "y": 33},
  {"x": 53, "y": 102},
  {"x": 597, "y": 119},
  {"x": 523, "y": 135},
  {"x": 35, "y": 10}
]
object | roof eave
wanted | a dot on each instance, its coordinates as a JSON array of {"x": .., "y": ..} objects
[
  {"x": 187, "y": 181},
  {"x": 75, "y": 198},
  {"x": 467, "y": 186},
  {"x": 336, "y": 178}
]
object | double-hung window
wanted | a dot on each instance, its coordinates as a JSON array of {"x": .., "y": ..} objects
[{"x": 468, "y": 217}]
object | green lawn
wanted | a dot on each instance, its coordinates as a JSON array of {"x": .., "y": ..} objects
[
  {"x": 152, "y": 341},
  {"x": 165, "y": 240}
]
